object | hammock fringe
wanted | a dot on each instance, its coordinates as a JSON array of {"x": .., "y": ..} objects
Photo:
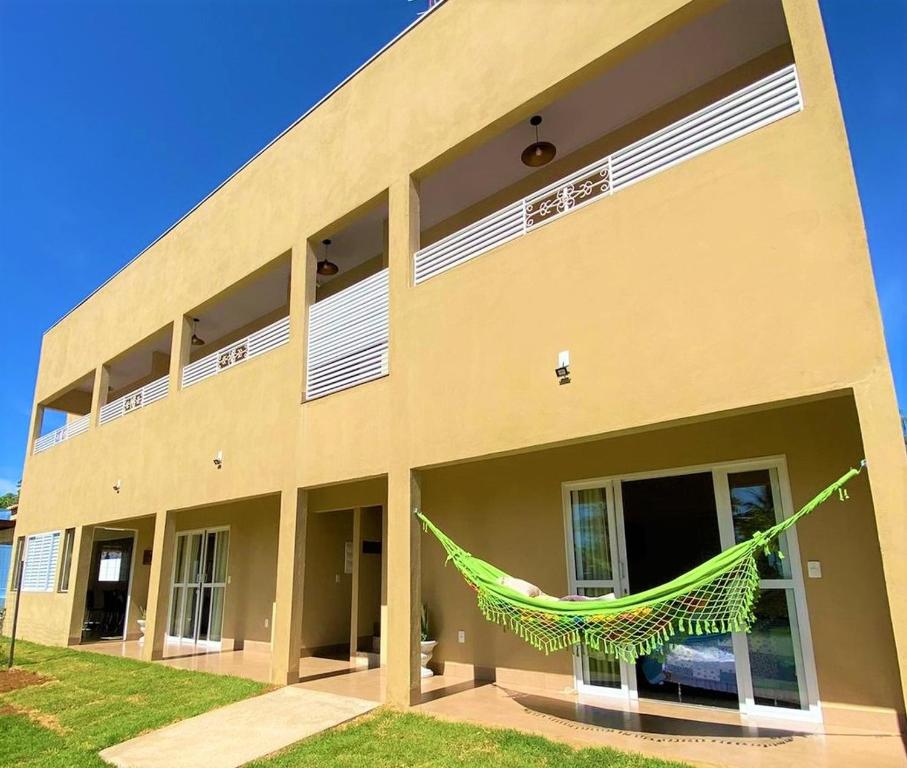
[{"x": 716, "y": 596}]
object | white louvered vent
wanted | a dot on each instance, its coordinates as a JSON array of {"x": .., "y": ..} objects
[
  {"x": 59, "y": 435},
  {"x": 263, "y": 340},
  {"x": 40, "y": 562},
  {"x": 348, "y": 334},
  {"x": 757, "y": 105},
  {"x": 135, "y": 400}
]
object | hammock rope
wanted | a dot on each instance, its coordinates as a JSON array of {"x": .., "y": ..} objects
[{"x": 715, "y": 596}]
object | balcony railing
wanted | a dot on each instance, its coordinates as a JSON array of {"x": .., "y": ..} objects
[
  {"x": 135, "y": 400},
  {"x": 347, "y": 342},
  {"x": 254, "y": 344},
  {"x": 68, "y": 430},
  {"x": 759, "y": 104}
]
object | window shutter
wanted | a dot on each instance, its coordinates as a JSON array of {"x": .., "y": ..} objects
[{"x": 40, "y": 562}]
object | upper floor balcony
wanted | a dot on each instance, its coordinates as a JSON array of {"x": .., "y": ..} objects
[{"x": 600, "y": 133}]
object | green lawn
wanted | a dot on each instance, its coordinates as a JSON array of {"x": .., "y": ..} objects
[
  {"x": 392, "y": 740},
  {"x": 91, "y": 702}
]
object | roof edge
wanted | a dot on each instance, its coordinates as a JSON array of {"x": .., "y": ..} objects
[{"x": 418, "y": 20}]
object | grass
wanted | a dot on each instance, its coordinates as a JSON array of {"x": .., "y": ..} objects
[
  {"x": 91, "y": 701},
  {"x": 391, "y": 740},
  {"x": 87, "y": 702}
]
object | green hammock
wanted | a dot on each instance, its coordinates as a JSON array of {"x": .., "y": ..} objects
[{"x": 716, "y": 596}]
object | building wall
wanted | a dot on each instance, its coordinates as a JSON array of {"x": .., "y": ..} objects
[
  {"x": 327, "y": 600},
  {"x": 736, "y": 279},
  {"x": 509, "y": 511},
  {"x": 251, "y": 564}
]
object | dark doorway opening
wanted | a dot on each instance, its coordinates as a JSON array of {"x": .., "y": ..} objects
[
  {"x": 671, "y": 525},
  {"x": 107, "y": 596}
]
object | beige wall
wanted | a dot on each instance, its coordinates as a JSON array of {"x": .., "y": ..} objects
[
  {"x": 509, "y": 511},
  {"x": 328, "y": 590},
  {"x": 251, "y": 565}
]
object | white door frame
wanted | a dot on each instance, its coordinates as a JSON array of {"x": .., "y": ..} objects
[
  {"x": 194, "y": 641},
  {"x": 803, "y": 650}
]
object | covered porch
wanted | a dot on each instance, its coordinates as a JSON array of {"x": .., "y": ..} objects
[
  {"x": 709, "y": 736},
  {"x": 628, "y": 512}
]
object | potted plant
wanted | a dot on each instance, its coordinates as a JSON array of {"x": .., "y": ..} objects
[
  {"x": 141, "y": 622},
  {"x": 427, "y": 646}
]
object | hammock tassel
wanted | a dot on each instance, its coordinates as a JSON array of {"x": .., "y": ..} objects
[{"x": 716, "y": 596}]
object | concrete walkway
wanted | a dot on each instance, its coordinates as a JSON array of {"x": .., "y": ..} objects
[{"x": 235, "y": 734}]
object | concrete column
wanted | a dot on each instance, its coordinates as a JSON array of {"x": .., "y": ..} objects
[
  {"x": 82, "y": 546},
  {"x": 99, "y": 391},
  {"x": 34, "y": 432},
  {"x": 304, "y": 262},
  {"x": 404, "y": 592},
  {"x": 180, "y": 347},
  {"x": 286, "y": 637},
  {"x": 886, "y": 467},
  {"x": 354, "y": 602},
  {"x": 384, "y": 621},
  {"x": 159, "y": 583}
]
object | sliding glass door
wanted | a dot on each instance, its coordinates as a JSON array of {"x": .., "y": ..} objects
[
  {"x": 198, "y": 587},
  {"x": 626, "y": 534},
  {"x": 592, "y": 555}
]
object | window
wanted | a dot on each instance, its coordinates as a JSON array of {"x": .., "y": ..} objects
[
  {"x": 66, "y": 562},
  {"x": 111, "y": 565},
  {"x": 40, "y": 562},
  {"x": 17, "y": 562}
]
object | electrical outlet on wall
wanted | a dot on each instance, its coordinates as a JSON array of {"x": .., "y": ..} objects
[
  {"x": 461, "y": 636},
  {"x": 267, "y": 622}
]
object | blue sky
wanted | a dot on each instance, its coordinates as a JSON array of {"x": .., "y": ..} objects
[{"x": 117, "y": 117}]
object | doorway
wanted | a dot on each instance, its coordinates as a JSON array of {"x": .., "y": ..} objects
[
  {"x": 198, "y": 587},
  {"x": 626, "y": 534},
  {"x": 671, "y": 526},
  {"x": 109, "y": 580}
]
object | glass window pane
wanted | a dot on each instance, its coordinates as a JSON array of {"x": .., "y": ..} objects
[
  {"x": 753, "y": 507},
  {"x": 111, "y": 565},
  {"x": 66, "y": 561},
  {"x": 220, "y": 561},
  {"x": 178, "y": 576},
  {"x": 173, "y": 627},
  {"x": 773, "y": 660},
  {"x": 601, "y": 669},
  {"x": 591, "y": 549},
  {"x": 210, "y": 539},
  {"x": 217, "y": 614},
  {"x": 190, "y": 605},
  {"x": 193, "y": 566}
]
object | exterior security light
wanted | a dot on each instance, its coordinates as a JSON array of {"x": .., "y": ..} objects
[{"x": 562, "y": 371}]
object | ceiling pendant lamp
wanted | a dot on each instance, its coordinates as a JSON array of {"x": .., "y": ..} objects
[
  {"x": 538, "y": 153},
  {"x": 326, "y": 267},
  {"x": 196, "y": 340}
]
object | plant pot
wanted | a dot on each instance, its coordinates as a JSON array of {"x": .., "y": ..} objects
[
  {"x": 141, "y": 623},
  {"x": 427, "y": 647}
]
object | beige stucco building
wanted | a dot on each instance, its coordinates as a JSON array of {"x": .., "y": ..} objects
[{"x": 247, "y": 435}]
